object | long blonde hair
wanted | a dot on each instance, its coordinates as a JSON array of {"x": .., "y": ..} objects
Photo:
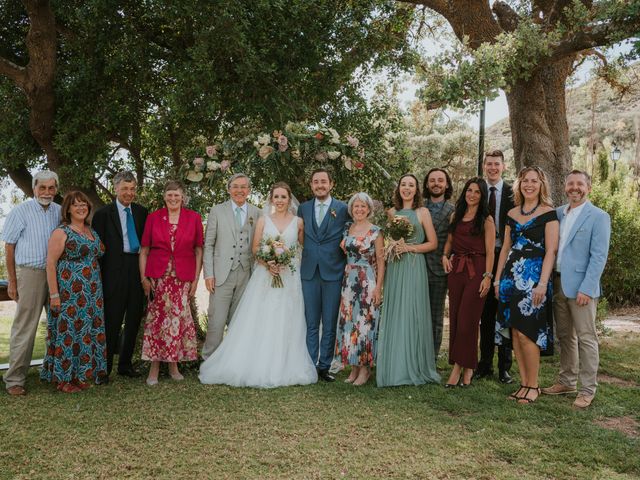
[{"x": 543, "y": 197}]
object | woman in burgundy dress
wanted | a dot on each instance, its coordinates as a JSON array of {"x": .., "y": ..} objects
[{"x": 468, "y": 259}]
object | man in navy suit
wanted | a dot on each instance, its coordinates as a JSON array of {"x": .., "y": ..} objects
[
  {"x": 585, "y": 231},
  {"x": 500, "y": 202},
  {"x": 322, "y": 268},
  {"x": 120, "y": 225}
]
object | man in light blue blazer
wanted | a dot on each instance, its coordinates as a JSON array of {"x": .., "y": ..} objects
[
  {"x": 582, "y": 254},
  {"x": 322, "y": 268}
]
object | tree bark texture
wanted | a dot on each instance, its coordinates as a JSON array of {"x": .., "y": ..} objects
[{"x": 538, "y": 120}]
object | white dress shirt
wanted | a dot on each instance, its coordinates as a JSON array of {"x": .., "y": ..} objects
[
  {"x": 498, "y": 186},
  {"x": 316, "y": 206},
  {"x": 567, "y": 223},
  {"x": 243, "y": 211}
]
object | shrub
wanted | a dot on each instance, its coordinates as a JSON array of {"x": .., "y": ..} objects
[{"x": 621, "y": 278}]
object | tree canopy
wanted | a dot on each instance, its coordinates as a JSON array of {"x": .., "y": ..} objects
[
  {"x": 528, "y": 48},
  {"x": 89, "y": 87}
]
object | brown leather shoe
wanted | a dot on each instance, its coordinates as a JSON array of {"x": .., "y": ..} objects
[
  {"x": 583, "y": 401},
  {"x": 16, "y": 390},
  {"x": 558, "y": 389}
]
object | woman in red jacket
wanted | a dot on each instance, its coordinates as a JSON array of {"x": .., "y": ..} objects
[{"x": 171, "y": 258}]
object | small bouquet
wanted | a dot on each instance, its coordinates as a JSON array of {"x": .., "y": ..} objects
[
  {"x": 273, "y": 249},
  {"x": 398, "y": 230}
]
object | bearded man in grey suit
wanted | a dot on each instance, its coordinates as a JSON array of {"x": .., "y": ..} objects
[{"x": 228, "y": 258}]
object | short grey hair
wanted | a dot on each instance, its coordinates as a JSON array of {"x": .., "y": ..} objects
[
  {"x": 363, "y": 197},
  {"x": 235, "y": 177},
  {"x": 124, "y": 176},
  {"x": 44, "y": 176}
]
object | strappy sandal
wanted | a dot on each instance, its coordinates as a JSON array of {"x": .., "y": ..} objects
[
  {"x": 514, "y": 395},
  {"x": 524, "y": 400}
]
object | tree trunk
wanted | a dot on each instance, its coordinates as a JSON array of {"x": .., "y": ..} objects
[
  {"x": 37, "y": 80},
  {"x": 539, "y": 129}
]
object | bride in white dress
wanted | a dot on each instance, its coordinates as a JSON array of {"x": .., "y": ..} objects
[{"x": 265, "y": 345}]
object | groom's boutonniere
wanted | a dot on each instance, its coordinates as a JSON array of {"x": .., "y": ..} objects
[
  {"x": 251, "y": 221},
  {"x": 333, "y": 213}
]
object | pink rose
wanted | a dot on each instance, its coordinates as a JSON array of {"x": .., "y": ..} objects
[
  {"x": 283, "y": 143},
  {"x": 279, "y": 251},
  {"x": 211, "y": 150},
  {"x": 224, "y": 165},
  {"x": 198, "y": 162},
  {"x": 353, "y": 141}
]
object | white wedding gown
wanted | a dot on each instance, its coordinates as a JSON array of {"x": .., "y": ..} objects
[{"x": 265, "y": 345}]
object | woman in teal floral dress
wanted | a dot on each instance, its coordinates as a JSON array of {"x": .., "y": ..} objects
[
  {"x": 361, "y": 291},
  {"x": 76, "y": 348},
  {"x": 405, "y": 344},
  {"x": 523, "y": 277}
]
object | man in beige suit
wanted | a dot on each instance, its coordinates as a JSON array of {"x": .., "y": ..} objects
[{"x": 227, "y": 257}]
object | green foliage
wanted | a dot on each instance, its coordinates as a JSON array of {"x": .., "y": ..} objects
[
  {"x": 621, "y": 278},
  {"x": 469, "y": 71},
  {"x": 461, "y": 76},
  {"x": 138, "y": 83}
]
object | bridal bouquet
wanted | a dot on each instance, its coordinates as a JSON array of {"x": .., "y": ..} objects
[
  {"x": 398, "y": 230},
  {"x": 273, "y": 249}
]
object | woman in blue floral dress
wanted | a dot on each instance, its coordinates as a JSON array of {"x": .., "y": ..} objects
[
  {"x": 76, "y": 343},
  {"x": 524, "y": 271},
  {"x": 361, "y": 291}
]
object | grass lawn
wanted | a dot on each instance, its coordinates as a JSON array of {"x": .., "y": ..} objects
[{"x": 180, "y": 430}]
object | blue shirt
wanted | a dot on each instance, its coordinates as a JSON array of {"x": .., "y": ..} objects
[
  {"x": 29, "y": 227},
  {"x": 123, "y": 224}
]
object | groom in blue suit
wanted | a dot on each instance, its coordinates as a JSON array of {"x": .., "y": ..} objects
[
  {"x": 582, "y": 254},
  {"x": 322, "y": 268}
]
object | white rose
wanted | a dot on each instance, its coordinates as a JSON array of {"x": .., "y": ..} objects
[
  {"x": 264, "y": 139},
  {"x": 213, "y": 165},
  {"x": 333, "y": 154}
]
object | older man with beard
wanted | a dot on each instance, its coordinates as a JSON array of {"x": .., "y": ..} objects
[
  {"x": 26, "y": 234},
  {"x": 437, "y": 190}
]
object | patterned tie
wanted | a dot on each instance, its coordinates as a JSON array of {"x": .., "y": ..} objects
[
  {"x": 134, "y": 243},
  {"x": 239, "y": 217},
  {"x": 322, "y": 206},
  {"x": 492, "y": 202}
]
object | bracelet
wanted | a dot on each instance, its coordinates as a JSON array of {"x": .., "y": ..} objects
[
  {"x": 143, "y": 279},
  {"x": 487, "y": 274},
  {"x": 541, "y": 284},
  {"x": 54, "y": 295},
  {"x": 496, "y": 283}
]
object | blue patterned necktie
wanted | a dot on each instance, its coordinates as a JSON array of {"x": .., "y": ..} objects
[{"x": 134, "y": 243}]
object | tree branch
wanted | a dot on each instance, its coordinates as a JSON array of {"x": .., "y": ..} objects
[
  {"x": 507, "y": 17},
  {"x": 14, "y": 72},
  {"x": 439, "y": 6}
]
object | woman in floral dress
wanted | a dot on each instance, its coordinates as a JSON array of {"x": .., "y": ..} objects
[
  {"x": 171, "y": 258},
  {"x": 76, "y": 342},
  {"x": 361, "y": 291},
  {"x": 523, "y": 288}
]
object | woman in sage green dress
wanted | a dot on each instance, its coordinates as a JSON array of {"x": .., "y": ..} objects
[{"x": 405, "y": 344}]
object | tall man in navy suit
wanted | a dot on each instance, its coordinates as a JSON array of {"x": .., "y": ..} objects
[
  {"x": 322, "y": 268},
  {"x": 500, "y": 202},
  {"x": 120, "y": 225},
  {"x": 585, "y": 231}
]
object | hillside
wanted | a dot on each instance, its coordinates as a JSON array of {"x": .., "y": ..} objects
[{"x": 613, "y": 117}]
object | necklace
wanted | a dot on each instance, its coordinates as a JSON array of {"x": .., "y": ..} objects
[{"x": 530, "y": 212}]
